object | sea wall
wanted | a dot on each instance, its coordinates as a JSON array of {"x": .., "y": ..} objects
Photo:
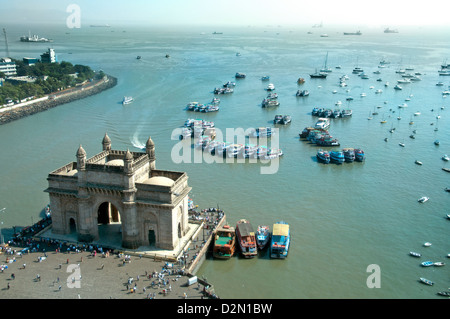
[{"x": 21, "y": 110}]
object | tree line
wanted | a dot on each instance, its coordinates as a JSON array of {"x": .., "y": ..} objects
[{"x": 49, "y": 78}]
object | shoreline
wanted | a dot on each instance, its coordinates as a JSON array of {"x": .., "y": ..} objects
[{"x": 16, "y": 112}]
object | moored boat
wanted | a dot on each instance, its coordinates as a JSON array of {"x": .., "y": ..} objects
[
  {"x": 427, "y": 263},
  {"x": 323, "y": 156},
  {"x": 349, "y": 154},
  {"x": 439, "y": 264},
  {"x": 337, "y": 157},
  {"x": 279, "y": 245},
  {"x": 262, "y": 236},
  {"x": 245, "y": 236},
  {"x": 322, "y": 123},
  {"x": 414, "y": 254},
  {"x": 224, "y": 242},
  {"x": 359, "y": 155}
]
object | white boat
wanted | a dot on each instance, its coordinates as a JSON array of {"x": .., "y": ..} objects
[
  {"x": 322, "y": 123},
  {"x": 270, "y": 87},
  {"x": 423, "y": 199},
  {"x": 403, "y": 105},
  {"x": 445, "y": 158},
  {"x": 427, "y": 244},
  {"x": 127, "y": 100},
  {"x": 439, "y": 264}
]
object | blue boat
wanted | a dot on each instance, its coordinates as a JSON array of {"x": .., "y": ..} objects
[
  {"x": 359, "y": 155},
  {"x": 323, "y": 156},
  {"x": 281, "y": 238},
  {"x": 262, "y": 236},
  {"x": 337, "y": 157}
]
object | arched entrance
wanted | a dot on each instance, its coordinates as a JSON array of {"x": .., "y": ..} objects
[
  {"x": 109, "y": 224},
  {"x": 72, "y": 226}
]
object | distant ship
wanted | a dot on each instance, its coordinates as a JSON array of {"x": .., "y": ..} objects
[
  {"x": 99, "y": 25},
  {"x": 33, "y": 38},
  {"x": 353, "y": 33},
  {"x": 215, "y": 32},
  {"x": 387, "y": 30}
]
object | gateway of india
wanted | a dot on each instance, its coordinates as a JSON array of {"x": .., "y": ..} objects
[{"x": 148, "y": 206}]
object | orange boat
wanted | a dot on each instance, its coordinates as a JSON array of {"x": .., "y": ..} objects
[
  {"x": 246, "y": 238},
  {"x": 224, "y": 242}
]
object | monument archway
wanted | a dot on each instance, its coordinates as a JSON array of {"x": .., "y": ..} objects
[{"x": 109, "y": 224}]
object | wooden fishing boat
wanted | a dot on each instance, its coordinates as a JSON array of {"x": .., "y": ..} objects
[
  {"x": 281, "y": 238},
  {"x": 245, "y": 236},
  {"x": 426, "y": 281},
  {"x": 262, "y": 236},
  {"x": 224, "y": 242}
]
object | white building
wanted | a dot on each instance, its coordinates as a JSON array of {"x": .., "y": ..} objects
[{"x": 7, "y": 66}]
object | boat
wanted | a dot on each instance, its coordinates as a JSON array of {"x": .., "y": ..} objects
[
  {"x": 444, "y": 293},
  {"x": 224, "y": 242},
  {"x": 388, "y": 30},
  {"x": 427, "y": 263},
  {"x": 318, "y": 75},
  {"x": 346, "y": 113},
  {"x": 322, "y": 123},
  {"x": 357, "y": 70},
  {"x": 138, "y": 57},
  {"x": 245, "y": 236},
  {"x": 414, "y": 254},
  {"x": 323, "y": 156},
  {"x": 127, "y": 100},
  {"x": 423, "y": 199},
  {"x": 262, "y": 236},
  {"x": 240, "y": 75},
  {"x": 359, "y": 155},
  {"x": 300, "y": 81},
  {"x": 446, "y": 169},
  {"x": 426, "y": 281},
  {"x": 418, "y": 162},
  {"x": 445, "y": 158},
  {"x": 337, "y": 157},
  {"x": 278, "y": 119},
  {"x": 349, "y": 154},
  {"x": 33, "y": 38},
  {"x": 265, "y": 78},
  {"x": 269, "y": 102},
  {"x": 281, "y": 238},
  {"x": 302, "y": 93},
  {"x": 261, "y": 132},
  {"x": 398, "y": 87},
  {"x": 439, "y": 264},
  {"x": 325, "y": 68},
  {"x": 353, "y": 33},
  {"x": 427, "y": 244},
  {"x": 270, "y": 87},
  {"x": 286, "y": 119},
  {"x": 436, "y": 142}
]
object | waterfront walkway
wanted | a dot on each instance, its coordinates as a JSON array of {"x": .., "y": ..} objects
[{"x": 54, "y": 268}]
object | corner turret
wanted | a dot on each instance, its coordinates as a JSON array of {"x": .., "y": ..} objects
[{"x": 106, "y": 143}]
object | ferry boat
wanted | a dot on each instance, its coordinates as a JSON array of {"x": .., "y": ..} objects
[
  {"x": 323, "y": 156},
  {"x": 326, "y": 140},
  {"x": 359, "y": 155},
  {"x": 127, "y": 100},
  {"x": 262, "y": 236},
  {"x": 337, "y": 157},
  {"x": 224, "y": 242},
  {"x": 281, "y": 237},
  {"x": 349, "y": 154},
  {"x": 246, "y": 238}
]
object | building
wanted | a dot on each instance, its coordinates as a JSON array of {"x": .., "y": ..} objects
[
  {"x": 49, "y": 56},
  {"x": 7, "y": 66},
  {"x": 120, "y": 188},
  {"x": 30, "y": 61}
]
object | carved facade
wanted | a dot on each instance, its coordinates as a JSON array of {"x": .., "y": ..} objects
[{"x": 120, "y": 187}]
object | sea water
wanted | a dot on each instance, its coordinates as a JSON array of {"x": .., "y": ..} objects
[{"x": 343, "y": 218}]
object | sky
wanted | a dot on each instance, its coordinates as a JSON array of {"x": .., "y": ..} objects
[{"x": 230, "y": 12}]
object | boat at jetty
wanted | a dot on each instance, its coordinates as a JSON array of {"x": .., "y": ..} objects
[
  {"x": 337, "y": 157},
  {"x": 127, "y": 100},
  {"x": 323, "y": 156},
  {"x": 245, "y": 236},
  {"x": 262, "y": 236},
  {"x": 359, "y": 155},
  {"x": 224, "y": 242},
  {"x": 281, "y": 239},
  {"x": 349, "y": 154}
]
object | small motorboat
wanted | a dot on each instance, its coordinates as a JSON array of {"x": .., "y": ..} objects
[
  {"x": 427, "y": 244},
  {"x": 423, "y": 199},
  {"x": 426, "y": 281},
  {"x": 436, "y": 142},
  {"x": 401, "y": 144},
  {"x": 427, "y": 263},
  {"x": 444, "y": 293},
  {"x": 446, "y": 158},
  {"x": 418, "y": 162},
  {"x": 439, "y": 264},
  {"x": 414, "y": 254}
]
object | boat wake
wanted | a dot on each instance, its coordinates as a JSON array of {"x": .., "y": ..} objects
[{"x": 136, "y": 143}]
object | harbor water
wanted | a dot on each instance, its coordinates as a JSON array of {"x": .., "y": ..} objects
[{"x": 344, "y": 219}]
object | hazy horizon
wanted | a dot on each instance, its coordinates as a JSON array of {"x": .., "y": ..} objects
[{"x": 230, "y": 13}]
